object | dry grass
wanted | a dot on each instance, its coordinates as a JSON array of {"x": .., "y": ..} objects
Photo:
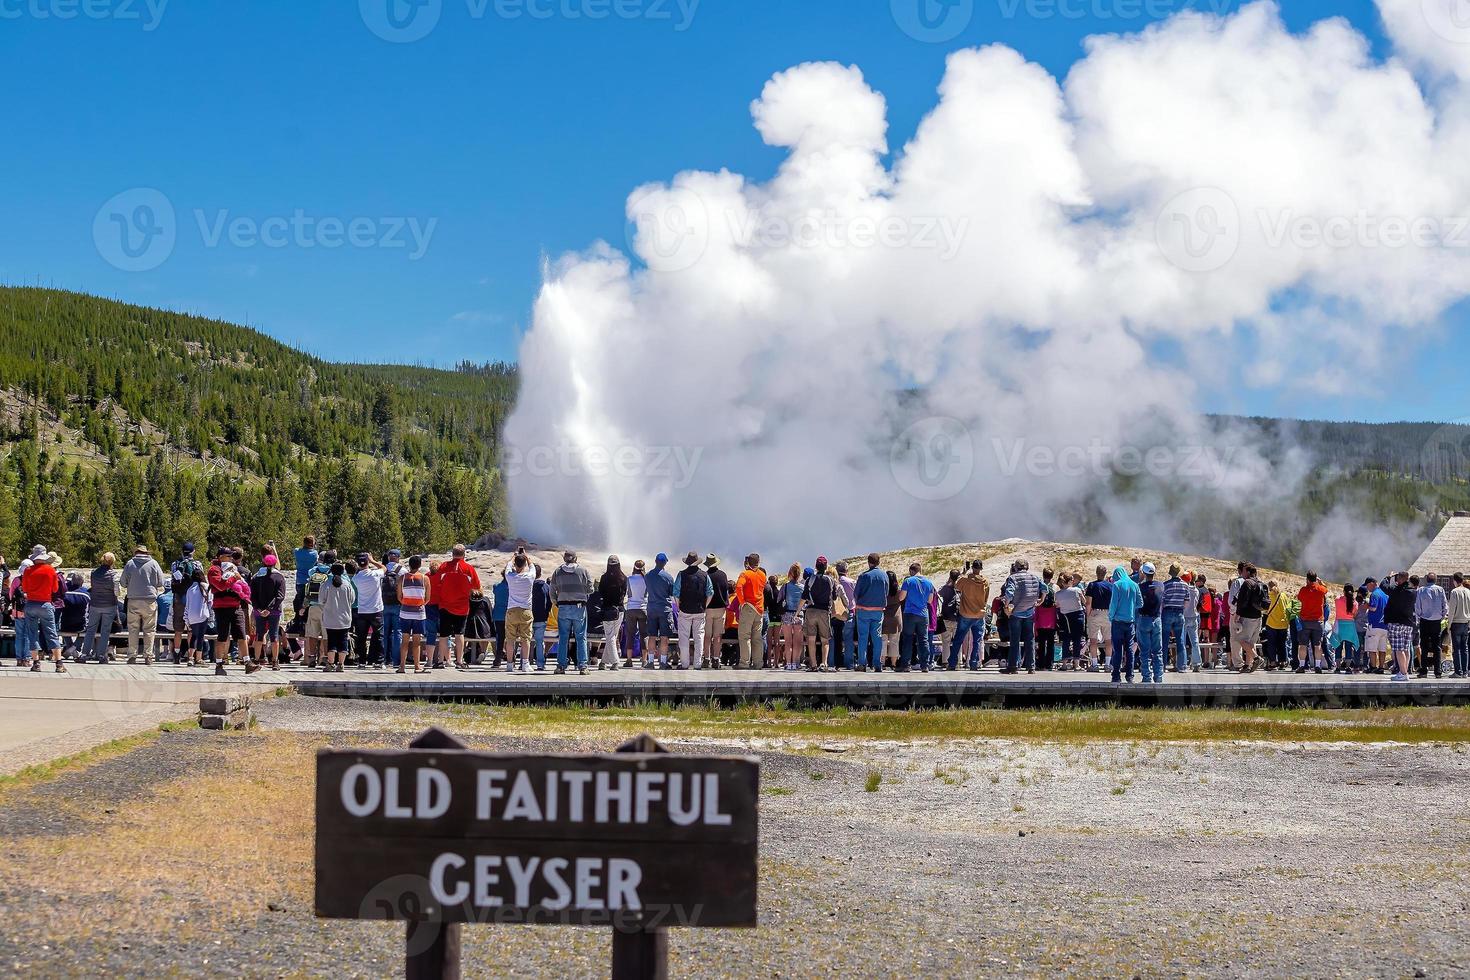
[
  {"x": 211, "y": 834},
  {"x": 761, "y": 722}
]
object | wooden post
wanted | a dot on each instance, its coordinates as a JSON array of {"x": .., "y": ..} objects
[
  {"x": 439, "y": 958},
  {"x": 641, "y": 954}
]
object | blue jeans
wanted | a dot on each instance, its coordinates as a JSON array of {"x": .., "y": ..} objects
[
  {"x": 837, "y": 650},
  {"x": 1122, "y": 658},
  {"x": 1150, "y": 650},
  {"x": 913, "y": 643},
  {"x": 24, "y": 638},
  {"x": 393, "y": 634},
  {"x": 974, "y": 628},
  {"x": 1460, "y": 647},
  {"x": 538, "y": 643},
  {"x": 571, "y": 621},
  {"x": 42, "y": 618},
  {"x": 1191, "y": 642},
  {"x": 99, "y": 625},
  {"x": 868, "y": 643},
  {"x": 1023, "y": 643},
  {"x": 1172, "y": 625}
]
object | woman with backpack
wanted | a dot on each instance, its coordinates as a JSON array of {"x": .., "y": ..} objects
[
  {"x": 198, "y": 611},
  {"x": 338, "y": 596}
]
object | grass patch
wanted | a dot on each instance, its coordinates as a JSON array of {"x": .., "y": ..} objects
[
  {"x": 41, "y": 772},
  {"x": 1064, "y": 725},
  {"x": 874, "y": 780},
  {"x": 778, "y": 791}
]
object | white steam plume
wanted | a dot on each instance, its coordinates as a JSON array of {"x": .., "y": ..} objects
[{"x": 968, "y": 343}]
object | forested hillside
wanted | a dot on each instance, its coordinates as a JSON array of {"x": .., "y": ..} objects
[{"x": 121, "y": 424}]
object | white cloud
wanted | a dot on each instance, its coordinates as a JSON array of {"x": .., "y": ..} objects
[{"x": 1015, "y": 263}]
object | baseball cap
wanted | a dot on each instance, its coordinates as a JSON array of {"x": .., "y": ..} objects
[
  {"x": 395, "y": 553},
  {"x": 269, "y": 561},
  {"x": 661, "y": 558},
  {"x": 821, "y": 559},
  {"x": 1148, "y": 568},
  {"x": 188, "y": 547}
]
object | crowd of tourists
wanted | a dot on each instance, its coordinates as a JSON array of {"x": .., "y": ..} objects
[{"x": 418, "y": 615}]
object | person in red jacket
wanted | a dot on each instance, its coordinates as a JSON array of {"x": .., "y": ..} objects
[
  {"x": 41, "y": 585},
  {"x": 226, "y": 584},
  {"x": 451, "y": 586}
]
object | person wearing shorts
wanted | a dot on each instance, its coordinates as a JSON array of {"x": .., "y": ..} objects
[
  {"x": 1096, "y": 598},
  {"x": 413, "y": 603}
]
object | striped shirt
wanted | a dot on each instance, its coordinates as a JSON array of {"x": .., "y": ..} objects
[{"x": 1176, "y": 594}]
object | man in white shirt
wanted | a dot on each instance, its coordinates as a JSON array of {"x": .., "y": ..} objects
[
  {"x": 367, "y": 621},
  {"x": 1459, "y": 615},
  {"x": 519, "y": 580}
]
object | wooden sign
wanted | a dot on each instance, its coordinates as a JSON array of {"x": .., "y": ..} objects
[{"x": 634, "y": 840}]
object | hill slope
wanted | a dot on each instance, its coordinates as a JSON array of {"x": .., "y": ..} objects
[{"x": 120, "y": 423}]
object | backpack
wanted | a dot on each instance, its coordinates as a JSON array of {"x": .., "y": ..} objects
[
  {"x": 390, "y": 588},
  {"x": 183, "y": 576},
  {"x": 819, "y": 592},
  {"x": 314, "y": 583},
  {"x": 839, "y": 602}
]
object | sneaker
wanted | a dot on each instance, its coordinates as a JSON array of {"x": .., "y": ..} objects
[
  {"x": 560, "y": 670},
  {"x": 219, "y": 669},
  {"x": 582, "y": 671},
  {"x": 251, "y": 667},
  {"x": 1399, "y": 677}
]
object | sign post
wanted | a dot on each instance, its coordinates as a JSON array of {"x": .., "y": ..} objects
[{"x": 439, "y": 835}]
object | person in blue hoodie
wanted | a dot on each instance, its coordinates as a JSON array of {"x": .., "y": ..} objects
[{"x": 1122, "y": 612}]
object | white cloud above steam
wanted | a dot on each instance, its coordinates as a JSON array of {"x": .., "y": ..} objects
[{"x": 1208, "y": 180}]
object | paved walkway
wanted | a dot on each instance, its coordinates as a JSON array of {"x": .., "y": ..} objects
[{"x": 45, "y": 716}]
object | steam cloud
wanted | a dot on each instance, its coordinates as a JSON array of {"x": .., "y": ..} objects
[{"x": 975, "y": 341}]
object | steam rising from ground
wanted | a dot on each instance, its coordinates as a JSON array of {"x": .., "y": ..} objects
[{"x": 1002, "y": 332}]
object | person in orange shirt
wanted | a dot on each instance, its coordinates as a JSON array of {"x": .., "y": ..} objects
[
  {"x": 750, "y": 593},
  {"x": 1313, "y": 597}
]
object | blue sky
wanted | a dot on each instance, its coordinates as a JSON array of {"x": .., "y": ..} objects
[{"x": 513, "y": 130}]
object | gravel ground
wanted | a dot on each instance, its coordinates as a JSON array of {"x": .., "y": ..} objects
[{"x": 968, "y": 859}]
